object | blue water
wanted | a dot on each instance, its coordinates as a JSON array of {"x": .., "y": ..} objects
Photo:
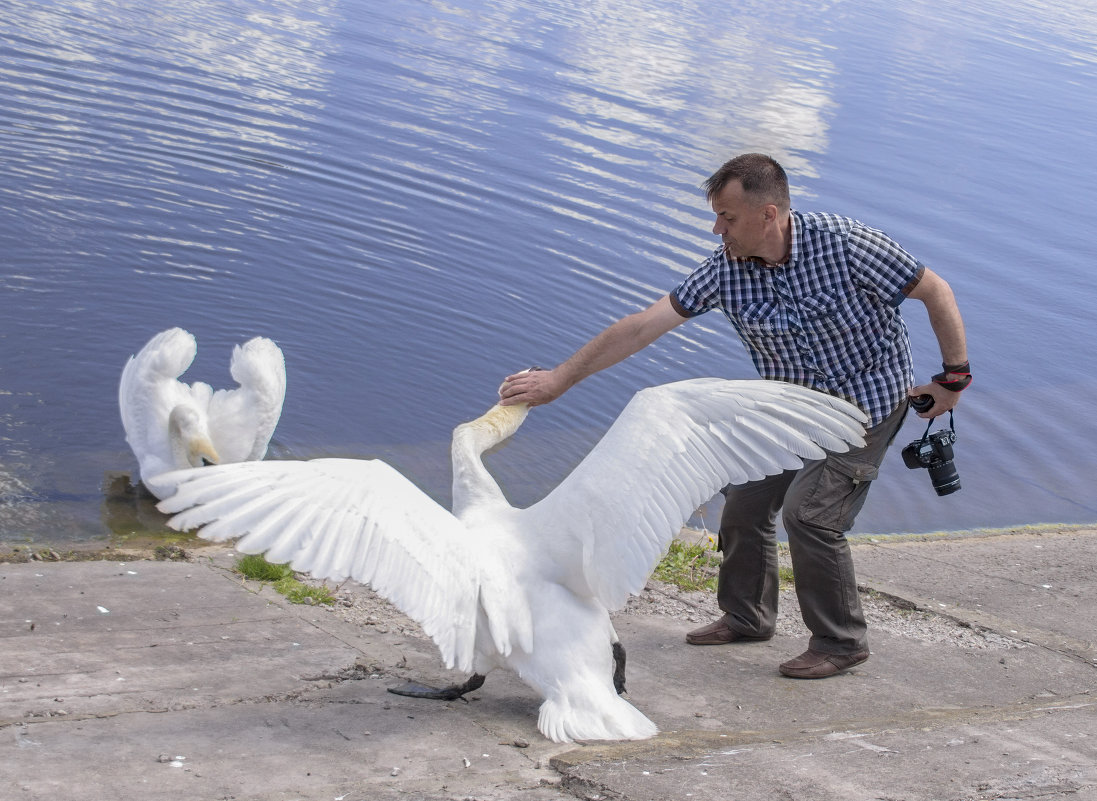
[{"x": 415, "y": 199}]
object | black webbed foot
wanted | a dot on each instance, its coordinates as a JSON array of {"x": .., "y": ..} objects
[
  {"x": 451, "y": 693},
  {"x": 619, "y": 668}
]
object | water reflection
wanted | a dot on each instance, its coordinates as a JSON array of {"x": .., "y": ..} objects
[
  {"x": 129, "y": 509},
  {"x": 126, "y": 111},
  {"x": 416, "y": 198}
]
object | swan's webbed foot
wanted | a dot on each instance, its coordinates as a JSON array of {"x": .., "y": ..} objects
[
  {"x": 619, "y": 667},
  {"x": 451, "y": 693}
]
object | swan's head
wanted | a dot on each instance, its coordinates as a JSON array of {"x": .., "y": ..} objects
[
  {"x": 190, "y": 441},
  {"x": 489, "y": 429}
]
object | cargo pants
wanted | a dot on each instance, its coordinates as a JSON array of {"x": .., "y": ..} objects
[{"x": 820, "y": 502}]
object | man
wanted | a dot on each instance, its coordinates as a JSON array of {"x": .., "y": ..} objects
[{"x": 814, "y": 297}]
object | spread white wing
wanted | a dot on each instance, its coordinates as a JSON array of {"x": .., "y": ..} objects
[
  {"x": 335, "y": 518},
  {"x": 671, "y": 449}
]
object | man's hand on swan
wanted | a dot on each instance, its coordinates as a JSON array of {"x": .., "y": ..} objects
[{"x": 534, "y": 387}]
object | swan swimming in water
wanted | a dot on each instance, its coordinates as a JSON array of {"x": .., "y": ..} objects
[
  {"x": 526, "y": 589},
  {"x": 171, "y": 425}
]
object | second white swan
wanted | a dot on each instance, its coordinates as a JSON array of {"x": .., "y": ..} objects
[{"x": 171, "y": 425}]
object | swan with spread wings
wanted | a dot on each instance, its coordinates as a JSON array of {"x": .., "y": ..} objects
[
  {"x": 171, "y": 425},
  {"x": 526, "y": 589}
]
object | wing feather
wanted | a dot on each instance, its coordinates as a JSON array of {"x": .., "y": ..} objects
[
  {"x": 147, "y": 392},
  {"x": 286, "y": 544},
  {"x": 242, "y": 420},
  {"x": 670, "y": 450},
  {"x": 334, "y": 518}
]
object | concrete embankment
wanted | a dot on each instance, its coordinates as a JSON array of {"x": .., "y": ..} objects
[{"x": 178, "y": 680}]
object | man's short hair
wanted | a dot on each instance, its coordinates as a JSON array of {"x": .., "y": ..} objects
[{"x": 762, "y": 178}]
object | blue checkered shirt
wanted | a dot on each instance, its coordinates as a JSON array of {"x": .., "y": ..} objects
[{"x": 828, "y": 318}]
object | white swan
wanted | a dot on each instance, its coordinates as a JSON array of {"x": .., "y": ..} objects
[
  {"x": 527, "y": 589},
  {"x": 171, "y": 425}
]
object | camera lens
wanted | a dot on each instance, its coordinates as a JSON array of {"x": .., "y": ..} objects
[{"x": 944, "y": 477}]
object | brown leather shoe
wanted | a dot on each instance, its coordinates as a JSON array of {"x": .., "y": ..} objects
[
  {"x": 818, "y": 665},
  {"x": 719, "y": 633}
]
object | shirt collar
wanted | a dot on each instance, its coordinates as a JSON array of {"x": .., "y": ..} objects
[{"x": 795, "y": 246}]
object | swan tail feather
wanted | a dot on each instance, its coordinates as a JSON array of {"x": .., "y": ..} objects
[{"x": 597, "y": 714}]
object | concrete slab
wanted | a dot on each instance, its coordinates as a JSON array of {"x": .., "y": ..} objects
[
  {"x": 109, "y": 637},
  {"x": 164, "y": 680},
  {"x": 1034, "y": 584},
  {"x": 112, "y": 670},
  {"x": 1050, "y": 755}
]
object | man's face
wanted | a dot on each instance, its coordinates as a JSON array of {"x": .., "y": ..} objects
[{"x": 739, "y": 223}]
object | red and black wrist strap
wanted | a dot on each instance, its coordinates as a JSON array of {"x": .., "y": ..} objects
[
  {"x": 962, "y": 373},
  {"x": 955, "y": 377}
]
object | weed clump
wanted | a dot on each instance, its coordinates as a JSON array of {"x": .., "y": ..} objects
[
  {"x": 689, "y": 566},
  {"x": 254, "y": 566},
  {"x": 693, "y": 566},
  {"x": 283, "y": 579}
]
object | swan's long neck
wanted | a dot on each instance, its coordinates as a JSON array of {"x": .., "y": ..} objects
[{"x": 472, "y": 483}]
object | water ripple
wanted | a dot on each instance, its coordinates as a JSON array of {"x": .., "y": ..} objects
[{"x": 416, "y": 199}]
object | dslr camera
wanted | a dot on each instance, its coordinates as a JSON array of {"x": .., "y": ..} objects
[{"x": 934, "y": 452}]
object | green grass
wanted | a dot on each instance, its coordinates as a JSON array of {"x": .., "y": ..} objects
[
  {"x": 689, "y": 567},
  {"x": 693, "y": 566},
  {"x": 784, "y": 576},
  {"x": 254, "y": 566}
]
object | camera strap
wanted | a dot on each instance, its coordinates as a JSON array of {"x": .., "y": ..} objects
[{"x": 929, "y": 425}]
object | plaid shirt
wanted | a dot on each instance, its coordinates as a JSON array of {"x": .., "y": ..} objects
[{"x": 827, "y": 319}]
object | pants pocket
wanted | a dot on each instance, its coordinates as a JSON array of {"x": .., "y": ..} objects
[{"x": 839, "y": 492}]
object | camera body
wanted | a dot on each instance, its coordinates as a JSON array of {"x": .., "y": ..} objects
[{"x": 934, "y": 452}]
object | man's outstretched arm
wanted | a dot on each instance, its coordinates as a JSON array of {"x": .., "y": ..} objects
[{"x": 622, "y": 339}]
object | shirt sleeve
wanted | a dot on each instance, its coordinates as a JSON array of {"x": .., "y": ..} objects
[
  {"x": 700, "y": 291},
  {"x": 881, "y": 266}
]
